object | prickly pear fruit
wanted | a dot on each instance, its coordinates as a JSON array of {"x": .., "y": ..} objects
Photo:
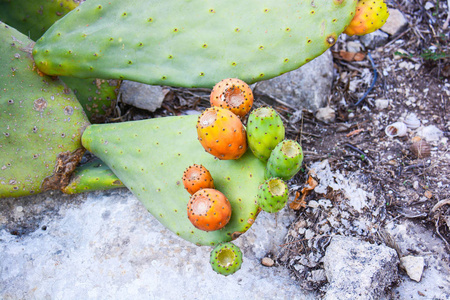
[
  {"x": 40, "y": 123},
  {"x": 285, "y": 160},
  {"x": 221, "y": 133},
  {"x": 232, "y": 94},
  {"x": 197, "y": 177},
  {"x": 209, "y": 210},
  {"x": 273, "y": 195},
  {"x": 213, "y": 40},
  {"x": 34, "y": 17},
  {"x": 150, "y": 155},
  {"x": 370, "y": 16},
  {"x": 265, "y": 130},
  {"x": 92, "y": 176},
  {"x": 226, "y": 258}
]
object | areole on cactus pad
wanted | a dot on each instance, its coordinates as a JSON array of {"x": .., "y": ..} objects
[{"x": 193, "y": 43}]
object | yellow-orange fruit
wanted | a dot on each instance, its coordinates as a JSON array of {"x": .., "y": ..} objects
[
  {"x": 209, "y": 210},
  {"x": 232, "y": 94},
  {"x": 221, "y": 133},
  {"x": 370, "y": 15},
  {"x": 197, "y": 177}
]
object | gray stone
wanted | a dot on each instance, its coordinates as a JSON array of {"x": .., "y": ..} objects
[
  {"x": 396, "y": 22},
  {"x": 375, "y": 39},
  {"x": 305, "y": 88},
  {"x": 143, "y": 96},
  {"x": 357, "y": 269},
  {"x": 105, "y": 245},
  {"x": 326, "y": 114}
]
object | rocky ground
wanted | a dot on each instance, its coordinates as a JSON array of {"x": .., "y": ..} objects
[{"x": 369, "y": 213}]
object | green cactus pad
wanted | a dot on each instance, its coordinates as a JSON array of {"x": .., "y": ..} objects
[
  {"x": 193, "y": 43},
  {"x": 95, "y": 95},
  {"x": 92, "y": 176},
  {"x": 34, "y": 17},
  {"x": 150, "y": 157},
  {"x": 273, "y": 195},
  {"x": 40, "y": 123},
  {"x": 285, "y": 160},
  {"x": 265, "y": 130},
  {"x": 226, "y": 258}
]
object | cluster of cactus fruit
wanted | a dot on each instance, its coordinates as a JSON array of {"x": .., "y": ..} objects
[{"x": 52, "y": 92}]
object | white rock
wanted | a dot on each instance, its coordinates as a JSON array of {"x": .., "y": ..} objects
[
  {"x": 413, "y": 266},
  {"x": 395, "y": 23},
  {"x": 381, "y": 104},
  {"x": 326, "y": 114}
]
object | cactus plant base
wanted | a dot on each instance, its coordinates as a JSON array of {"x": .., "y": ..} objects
[{"x": 150, "y": 157}]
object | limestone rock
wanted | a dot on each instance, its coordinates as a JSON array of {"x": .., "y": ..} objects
[
  {"x": 357, "y": 269},
  {"x": 396, "y": 22},
  {"x": 305, "y": 88},
  {"x": 413, "y": 266},
  {"x": 143, "y": 96}
]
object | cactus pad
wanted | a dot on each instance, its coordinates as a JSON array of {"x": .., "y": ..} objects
[
  {"x": 92, "y": 176},
  {"x": 41, "y": 123},
  {"x": 150, "y": 156},
  {"x": 34, "y": 17},
  {"x": 193, "y": 43}
]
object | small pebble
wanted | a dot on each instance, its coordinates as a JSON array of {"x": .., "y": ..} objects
[{"x": 267, "y": 261}]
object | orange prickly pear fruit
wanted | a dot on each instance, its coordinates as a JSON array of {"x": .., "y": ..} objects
[
  {"x": 232, "y": 94},
  {"x": 221, "y": 133},
  {"x": 370, "y": 16},
  {"x": 209, "y": 210},
  {"x": 197, "y": 177}
]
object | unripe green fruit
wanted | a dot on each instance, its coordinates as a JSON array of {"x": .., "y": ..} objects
[
  {"x": 226, "y": 258},
  {"x": 272, "y": 195},
  {"x": 285, "y": 160}
]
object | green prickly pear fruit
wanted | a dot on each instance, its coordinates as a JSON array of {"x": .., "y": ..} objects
[
  {"x": 232, "y": 94},
  {"x": 265, "y": 130},
  {"x": 41, "y": 123},
  {"x": 285, "y": 160},
  {"x": 226, "y": 258},
  {"x": 34, "y": 17},
  {"x": 197, "y": 177},
  {"x": 147, "y": 40},
  {"x": 273, "y": 195},
  {"x": 209, "y": 210},
  {"x": 150, "y": 155},
  {"x": 92, "y": 176},
  {"x": 221, "y": 133}
]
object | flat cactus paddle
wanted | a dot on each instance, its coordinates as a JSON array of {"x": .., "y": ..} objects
[
  {"x": 150, "y": 157},
  {"x": 40, "y": 122},
  {"x": 34, "y": 17},
  {"x": 92, "y": 176},
  {"x": 192, "y": 43}
]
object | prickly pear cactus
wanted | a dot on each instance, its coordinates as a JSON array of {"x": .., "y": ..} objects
[
  {"x": 273, "y": 195},
  {"x": 150, "y": 157},
  {"x": 226, "y": 259},
  {"x": 147, "y": 40},
  {"x": 92, "y": 176},
  {"x": 40, "y": 122},
  {"x": 265, "y": 130},
  {"x": 285, "y": 160},
  {"x": 34, "y": 17},
  {"x": 95, "y": 95}
]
